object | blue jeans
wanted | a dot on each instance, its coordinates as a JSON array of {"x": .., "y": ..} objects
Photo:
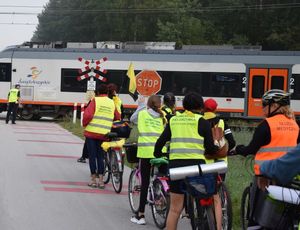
[{"x": 96, "y": 155}]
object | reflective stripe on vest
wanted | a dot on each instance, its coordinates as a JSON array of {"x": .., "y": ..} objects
[
  {"x": 103, "y": 116},
  {"x": 13, "y": 95},
  {"x": 186, "y": 143},
  {"x": 149, "y": 129},
  {"x": 284, "y": 134}
]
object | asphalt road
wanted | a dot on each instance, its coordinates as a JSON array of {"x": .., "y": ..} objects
[{"x": 43, "y": 187}]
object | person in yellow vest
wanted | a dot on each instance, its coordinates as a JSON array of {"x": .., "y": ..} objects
[
  {"x": 210, "y": 107},
  {"x": 112, "y": 94},
  {"x": 169, "y": 105},
  {"x": 13, "y": 103},
  {"x": 190, "y": 138},
  {"x": 97, "y": 120},
  {"x": 150, "y": 122},
  {"x": 272, "y": 139}
]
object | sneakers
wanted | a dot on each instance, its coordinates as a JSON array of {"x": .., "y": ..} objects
[
  {"x": 138, "y": 219},
  {"x": 81, "y": 160}
]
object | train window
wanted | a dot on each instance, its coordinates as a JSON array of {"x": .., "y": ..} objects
[
  {"x": 296, "y": 86},
  {"x": 69, "y": 82},
  {"x": 5, "y": 72},
  {"x": 258, "y": 86},
  {"x": 205, "y": 83},
  {"x": 277, "y": 82}
]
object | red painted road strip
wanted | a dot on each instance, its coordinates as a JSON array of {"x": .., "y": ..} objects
[
  {"x": 57, "y": 130},
  {"x": 59, "y": 142},
  {"x": 75, "y": 183},
  {"x": 83, "y": 190},
  {"x": 55, "y": 134},
  {"x": 51, "y": 156}
]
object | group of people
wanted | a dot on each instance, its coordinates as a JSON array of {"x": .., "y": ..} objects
[{"x": 188, "y": 137}]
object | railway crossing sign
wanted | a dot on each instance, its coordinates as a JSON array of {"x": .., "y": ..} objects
[
  {"x": 148, "y": 82},
  {"x": 91, "y": 85},
  {"x": 92, "y": 69}
]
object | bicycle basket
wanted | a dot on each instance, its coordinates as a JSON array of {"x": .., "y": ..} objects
[
  {"x": 270, "y": 213},
  {"x": 201, "y": 186},
  {"x": 131, "y": 153}
]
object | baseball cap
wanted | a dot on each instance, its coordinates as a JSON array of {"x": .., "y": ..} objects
[{"x": 210, "y": 105}]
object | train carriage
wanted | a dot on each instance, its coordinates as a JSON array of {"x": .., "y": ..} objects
[{"x": 235, "y": 78}]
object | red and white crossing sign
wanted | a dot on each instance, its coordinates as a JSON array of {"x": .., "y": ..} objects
[
  {"x": 92, "y": 69},
  {"x": 148, "y": 82}
]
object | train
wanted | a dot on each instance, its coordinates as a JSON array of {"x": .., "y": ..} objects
[{"x": 53, "y": 78}]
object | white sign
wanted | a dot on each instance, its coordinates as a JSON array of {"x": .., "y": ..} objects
[{"x": 91, "y": 85}]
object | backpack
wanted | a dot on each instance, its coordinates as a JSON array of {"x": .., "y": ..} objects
[{"x": 220, "y": 141}]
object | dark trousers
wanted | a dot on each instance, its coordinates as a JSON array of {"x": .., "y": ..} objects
[
  {"x": 85, "y": 152},
  {"x": 96, "y": 155},
  {"x": 145, "y": 167},
  {"x": 12, "y": 109}
]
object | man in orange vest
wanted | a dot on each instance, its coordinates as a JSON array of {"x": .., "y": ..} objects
[{"x": 273, "y": 137}]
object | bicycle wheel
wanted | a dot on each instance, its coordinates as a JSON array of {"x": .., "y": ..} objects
[
  {"x": 107, "y": 171},
  {"x": 161, "y": 204},
  {"x": 116, "y": 170},
  {"x": 245, "y": 208},
  {"x": 202, "y": 217},
  {"x": 226, "y": 207},
  {"x": 134, "y": 190}
]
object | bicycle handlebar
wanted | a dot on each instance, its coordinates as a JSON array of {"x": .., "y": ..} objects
[{"x": 195, "y": 170}]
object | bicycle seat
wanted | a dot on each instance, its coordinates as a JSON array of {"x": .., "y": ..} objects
[
  {"x": 287, "y": 195},
  {"x": 111, "y": 135},
  {"x": 159, "y": 161}
]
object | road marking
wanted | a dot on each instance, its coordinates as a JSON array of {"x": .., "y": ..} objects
[
  {"x": 55, "y": 134},
  {"x": 83, "y": 190},
  {"x": 59, "y": 142},
  {"x": 51, "y": 156},
  {"x": 74, "y": 183}
]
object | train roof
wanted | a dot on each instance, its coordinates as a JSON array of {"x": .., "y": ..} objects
[{"x": 190, "y": 55}]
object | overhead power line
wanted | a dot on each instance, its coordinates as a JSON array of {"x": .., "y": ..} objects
[{"x": 158, "y": 10}]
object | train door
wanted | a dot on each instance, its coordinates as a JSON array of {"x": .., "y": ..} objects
[
  {"x": 5, "y": 82},
  {"x": 260, "y": 81}
]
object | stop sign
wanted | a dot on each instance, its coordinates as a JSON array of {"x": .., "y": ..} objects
[{"x": 148, "y": 82}]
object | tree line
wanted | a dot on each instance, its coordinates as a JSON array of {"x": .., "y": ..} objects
[{"x": 274, "y": 25}]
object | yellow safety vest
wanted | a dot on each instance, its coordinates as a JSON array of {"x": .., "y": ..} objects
[
  {"x": 186, "y": 143},
  {"x": 103, "y": 116},
  {"x": 13, "y": 95},
  {"x": 118, "y": 103},
  {"x": 150, "y": 129}
]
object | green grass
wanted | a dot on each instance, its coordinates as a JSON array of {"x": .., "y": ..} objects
[{"x": 237, "y": 178}]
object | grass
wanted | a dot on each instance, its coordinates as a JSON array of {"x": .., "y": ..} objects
[{"x": 237, "y": 178}]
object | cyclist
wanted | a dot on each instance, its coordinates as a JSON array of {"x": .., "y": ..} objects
[
  {"x": 189, "y": 135},
  {"x": 150, "y": 122},
  {"x": 97, "y": 120},
  {"x": 283, "y": 169},
  {"x": 210, "y": 107},
  {"x": 272, "y": 138},
  {"x": 169, "y": 105}
]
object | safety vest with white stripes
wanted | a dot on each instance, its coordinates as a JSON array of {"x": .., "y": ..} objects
[
  {"x": 13, "y": 95},
  {"x": 284, "y": 134},
  {"x": 103, "y": 116},
  {"x": 186, "y": 143},
  {"x": 149, "y": 128}
]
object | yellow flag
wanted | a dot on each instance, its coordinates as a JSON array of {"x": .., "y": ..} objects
[{"x": 132, "y": 81}]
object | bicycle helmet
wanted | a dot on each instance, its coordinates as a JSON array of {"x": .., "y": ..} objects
[{"x": 276, "y": 96}]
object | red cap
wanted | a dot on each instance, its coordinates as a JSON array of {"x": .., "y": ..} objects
[{"x": 210, "y": 105}]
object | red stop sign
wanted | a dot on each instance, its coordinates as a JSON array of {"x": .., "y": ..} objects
[{"x": 148, "y": 82}]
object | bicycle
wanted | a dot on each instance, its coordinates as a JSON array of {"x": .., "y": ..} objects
[
  {"x": 226, "y": 204},
  {"x": 158, "y": 197},
  {"x": 114, "y": 161},
  {"x": 280, "y": 203},
  {"x": 200, "y": 186}
]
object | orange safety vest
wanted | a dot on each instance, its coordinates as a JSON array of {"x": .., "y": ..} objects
[{"x": 284, "y": 134}]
